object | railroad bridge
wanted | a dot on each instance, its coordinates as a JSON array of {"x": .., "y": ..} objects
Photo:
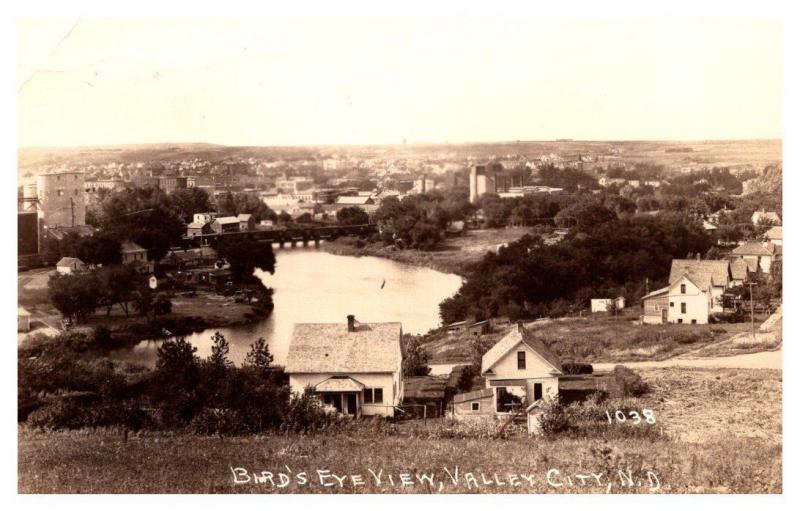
[{"x": 283, "y": 235}]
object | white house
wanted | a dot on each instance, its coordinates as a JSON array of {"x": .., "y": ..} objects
[
  {"x": 755, "y": 253},
  {"x": 603, "y": 304},
  {"x": 247, "y": 222},
  {"x": 353, "y": 367},
  {"x": 69, "y": 265},
  {"x": 694, "y": 292},
  {"x": 775, "y": 235},
  {"x": 519, "y": 372},
  {"x": 762, "y": 217}
]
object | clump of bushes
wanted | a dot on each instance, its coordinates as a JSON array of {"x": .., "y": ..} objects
[
  {"x": 627, "y": 383},
  {"x": 589, "y": 419}
]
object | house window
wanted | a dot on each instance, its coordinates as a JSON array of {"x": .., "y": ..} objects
[
  {"x": 373, "y": 396},
  {"x": 60, "y": 192},
  {"x": 537, "y": 391},
  {"x": 680, "y": 321},
  {"x": 520, "y": 360},
  {"x": 683, "y": 308},
  {"x": 683, "y": 289},
  {"x": 694, "y": 321},
  {"x": 672, "y": 304},
  {"x": 476, "y": 407}
]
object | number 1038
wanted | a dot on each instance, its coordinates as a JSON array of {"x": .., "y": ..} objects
[{"x": 632, "y": 416}]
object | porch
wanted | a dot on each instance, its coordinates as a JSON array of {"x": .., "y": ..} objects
[{"x": 343, "y": 393}]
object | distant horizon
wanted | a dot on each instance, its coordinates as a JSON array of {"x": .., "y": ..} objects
[{"x": 400, "y": 144}]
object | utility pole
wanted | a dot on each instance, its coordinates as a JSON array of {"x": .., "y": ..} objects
[{"x": 752, "y": 319}]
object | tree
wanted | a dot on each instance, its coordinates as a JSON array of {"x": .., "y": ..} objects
[
  {"x": 188, "y": 201},
  {"x": 415, "y": 359},
  {"x": 75, "y": 296},
  {"x": 117, "y": 286},
  {"x": 245, "y": 255},
  {"x": 219, "y": 352},
  {"x": 101, "y": 249},
  {"x": 176, "y": 380},
  {"x": 352, "y": 215},
  {"x": 259, "y": 356}
]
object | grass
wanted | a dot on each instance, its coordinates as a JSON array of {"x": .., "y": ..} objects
[
  {"x": 596, "y": 338},
  {"x": 101, "y": 462},
  {"x": 454, "y": 255},
  {"x": 213, "y": 309},
  {"x": 723, "y": 435}
]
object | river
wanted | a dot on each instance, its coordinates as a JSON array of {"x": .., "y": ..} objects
[{"x": 315, "y": 286}]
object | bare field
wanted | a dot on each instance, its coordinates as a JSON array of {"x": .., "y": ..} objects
[{"x": 706, "y": 405}]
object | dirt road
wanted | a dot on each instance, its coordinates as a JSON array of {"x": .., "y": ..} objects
[{"x": 761, "y": 360}]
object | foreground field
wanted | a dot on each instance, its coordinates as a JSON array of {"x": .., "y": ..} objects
[
  {"x": 100, "y": 462},
  {"x": 722, "y": 433}
]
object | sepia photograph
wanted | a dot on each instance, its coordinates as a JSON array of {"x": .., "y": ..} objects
[{"x": 399, "y": 254}]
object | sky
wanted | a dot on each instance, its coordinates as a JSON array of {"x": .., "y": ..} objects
[{"x": 319, "y": 81}]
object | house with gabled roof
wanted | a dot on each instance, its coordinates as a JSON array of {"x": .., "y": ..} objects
[
  {"x": 353, "y": 367},
  {"x": 774, "y": 235},
  {"x": 519, "y": 372},
  {"x": 765, "y": 217},
  {"x": 755, "y": 252},
  {"x": 694, "y": 292},
  {"x": 225, "y": 224},
  {"x": 70, "y": 265},
  {"x": 742, "y": 271}
]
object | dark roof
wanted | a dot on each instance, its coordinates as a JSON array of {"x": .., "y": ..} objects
[
  {"x": 424, "y": 387},
  {"x": 331, "y": 348},
  {"x": 704, "y": 273},
  {"x": 471, "y": 396}
]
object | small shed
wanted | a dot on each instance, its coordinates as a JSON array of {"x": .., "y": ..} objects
[
  {"x": 70, "y": 265},
  {"x": 604, "y": 304},
  {"x": 475, "y": 403},
  {"x": 424, "y": 396},
  {"x": 23, "y": 320}
]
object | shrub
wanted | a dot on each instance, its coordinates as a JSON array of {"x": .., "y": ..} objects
[
  {"x": 223, "y": 421},
  {"x": 553, "y": 419},
  {"x": 576, "y": 368},
  {"x": 305, "y": 413},
  {"x": 627, "y": 382}
]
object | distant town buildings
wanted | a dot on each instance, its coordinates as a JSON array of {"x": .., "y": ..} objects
[
  {"x": 491, "y": 178},
  {"x": 61, "y": 198}
]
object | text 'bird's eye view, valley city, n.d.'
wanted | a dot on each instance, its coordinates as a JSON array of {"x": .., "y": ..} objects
[{"x": 371, "y": 255}]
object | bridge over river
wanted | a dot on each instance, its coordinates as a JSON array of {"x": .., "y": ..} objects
[{"x": 283, "y": 235}]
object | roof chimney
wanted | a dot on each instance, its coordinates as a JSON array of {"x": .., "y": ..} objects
[
  {"x": 351, "y": 323},
  {"x": 519, "y": 327}
]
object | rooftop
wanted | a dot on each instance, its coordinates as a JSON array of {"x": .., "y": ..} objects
[
  {"x": 331, "y": 348},
  {"x": 507, "y": 343},
  {"x": 129, "y": 246},
  {"x": 704, "y": 273},
  {"x": 751, "y": 248}
]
